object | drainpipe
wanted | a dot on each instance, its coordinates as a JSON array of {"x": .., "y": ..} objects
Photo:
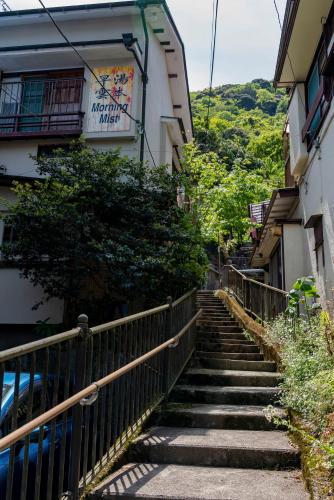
[
  {"x": 283, "y": 259},
  {"x": 145, "y": 80}
]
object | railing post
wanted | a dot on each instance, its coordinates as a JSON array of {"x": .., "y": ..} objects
[
  {"x": 79, "y": 384},
  {"x": 168, "y": 335},
  {"x": 262, "y": 306},
  {"x": 193, "y": 302},
  {"x": 193, "y": 312}
]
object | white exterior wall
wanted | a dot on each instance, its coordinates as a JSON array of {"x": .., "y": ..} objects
[
  {"x": 159, "y": 102},
  {"x": 17, "y": 296},
  {"x": 297, "y": 116},
  {"x": 317, "y": 197},
  {"x": 41, "y": 31},
  {"x": 294, "y": 255}
]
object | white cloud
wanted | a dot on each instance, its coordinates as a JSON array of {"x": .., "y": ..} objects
[{"x": 247, "y": 41}]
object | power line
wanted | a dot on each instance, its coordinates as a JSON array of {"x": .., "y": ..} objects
[
  {"x": 278, "y": 14},
  {"x": 60, "y": 31},
  {"x": 5, "y": 6},
  {"x": 214, "y": 43},
  {"x": 212, "y": 56}
]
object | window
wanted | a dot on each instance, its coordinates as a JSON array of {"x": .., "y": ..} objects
[
  {"x": 9, "y": 105},
  {"x": 41, "y": 102},
  {"x": 318, "y": 234},
  {"x": 316, "y": 99},
  {"x": 316, "y": 223},
  {"x": 8, "y": 235}
]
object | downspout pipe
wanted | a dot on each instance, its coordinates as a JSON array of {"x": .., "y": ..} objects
[{"x": 142, "y": 5}]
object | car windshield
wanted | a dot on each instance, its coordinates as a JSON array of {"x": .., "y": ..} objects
[{"x": 5, "y": 389}]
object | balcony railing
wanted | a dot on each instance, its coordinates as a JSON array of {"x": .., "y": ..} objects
[{"x": 41, "y": 107}]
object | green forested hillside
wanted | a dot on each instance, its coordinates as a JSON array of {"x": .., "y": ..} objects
[{"x": 237, "y": 160}]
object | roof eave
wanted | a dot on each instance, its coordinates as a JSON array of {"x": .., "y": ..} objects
[
  {"x": 289, "y": 20},
  {"x": 171, "y": 20}
]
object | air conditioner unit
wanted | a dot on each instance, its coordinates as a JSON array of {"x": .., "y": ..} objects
[{"x": 3, "y": 170}]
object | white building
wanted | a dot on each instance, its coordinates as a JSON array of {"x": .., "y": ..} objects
[
  {"x": 49, "y": 96},
  {"x": 298, "y": 235}
]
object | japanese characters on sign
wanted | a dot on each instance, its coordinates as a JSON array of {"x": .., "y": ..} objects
[{"x": 109, "y": 100}]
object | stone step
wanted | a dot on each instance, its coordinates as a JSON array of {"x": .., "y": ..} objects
[
  {"x": 206, "y": 300},
  {"x": 205, "y": 376},
  {"x": 257, "y": 396},
  {"x": 148, "y": 481},
  {"x": 249, "y": 356},
  {"x": 215, "y": 346},
  {"x": 218, "y": 317},
  {"x": 221, "y": 328},
  {"x": 213, "y": 309},
  {"x": 215, "y": 448},
  {"x": 241, "y": 417},
  {"x": 219, "y": 335},
  {"x": 215, "y": 312},
  {"x": 211, "y": 322},
  {"x": 208, "y": 338},
  {"x": 235, "y": 364},
  {"x": 213, "y": 304},
  {"x": 207, "y": 317},
  {"x": 224, "y": 321},
  {"x": 211, "y": 298}
]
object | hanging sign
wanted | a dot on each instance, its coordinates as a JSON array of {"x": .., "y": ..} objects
[{"x": 106, "y": 113}]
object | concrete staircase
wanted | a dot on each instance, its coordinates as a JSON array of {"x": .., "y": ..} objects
[{"x": 212, "y": 440}]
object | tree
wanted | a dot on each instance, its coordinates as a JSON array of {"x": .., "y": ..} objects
[
  {"x": 223, "y": 195},
  {"x": 101, "y": 226},
  {"x": 238, "y": 161}
]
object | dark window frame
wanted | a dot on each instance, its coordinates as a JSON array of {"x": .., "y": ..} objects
[
  {"x": 322, "y": 99},
  {"x": 315, "y": 222},
  {"x": 326, "y": 87},
  {"x": 8, "y": 234}
]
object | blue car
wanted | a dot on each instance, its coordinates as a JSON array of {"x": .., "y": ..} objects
[{"x": 7, "y": 408}]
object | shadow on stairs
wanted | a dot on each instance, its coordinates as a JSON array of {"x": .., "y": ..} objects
[{"x": 212, "y": 440}]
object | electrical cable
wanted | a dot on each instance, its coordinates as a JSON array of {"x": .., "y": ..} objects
[
  {"x": 212, "y": 57},
  {"x": 5, "y": 6},
  {"x": 90, "y": 69}
]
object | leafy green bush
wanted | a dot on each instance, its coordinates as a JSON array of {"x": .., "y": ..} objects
[
  {"x": 308, "y": 367},
  {"x": 104, "y": 238}
]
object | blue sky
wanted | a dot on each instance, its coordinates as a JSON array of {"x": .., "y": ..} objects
[{"x": 247, "y": 41}]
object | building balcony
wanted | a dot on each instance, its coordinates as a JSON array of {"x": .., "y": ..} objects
[{"x": 41, "y": 107}]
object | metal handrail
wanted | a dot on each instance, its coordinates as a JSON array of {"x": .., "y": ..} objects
[
  {"x": 128, "y": 319},
  {"x": 263, "y": 302},
  {"x": 263, "y": 285},
  {"x": 24, "y": 349},
  {"x": 57, "y": 410},
  {"x": 183, "y": 298},
  {"x": 71, "y": 334},
  {"x": 214, "y": 270}
]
